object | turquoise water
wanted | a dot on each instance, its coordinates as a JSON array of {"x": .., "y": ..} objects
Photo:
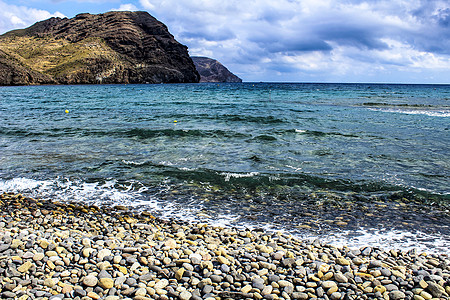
[{"x": 351, "y": 161}]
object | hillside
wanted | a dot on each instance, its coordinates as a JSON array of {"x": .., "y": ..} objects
[
  {"x": 211, "y": 70},
  {"x": 115, "y": 47}
]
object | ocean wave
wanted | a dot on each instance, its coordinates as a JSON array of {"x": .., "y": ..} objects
[
  {"x": 228, "y": 176},
  {"x": 139, "y": 133},
  {"x": 107, "y": 192},
  {"x": 384, "y": 104},
  {"x": 169, "y": 202},
  {"x": 390, "y": 239},
  {"x": 318, "y": 133},
  {"x": 251, "y": 119},
  {"x": 431, "y": 113},
  {"x": 288, "y": 179},
  {"x": 152, "y": 133}
]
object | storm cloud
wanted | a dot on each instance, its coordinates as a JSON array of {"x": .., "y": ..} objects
[{"x": 343, "y": 39}]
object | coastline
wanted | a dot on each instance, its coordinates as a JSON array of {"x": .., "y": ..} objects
[{"x": 51, "y": 250}]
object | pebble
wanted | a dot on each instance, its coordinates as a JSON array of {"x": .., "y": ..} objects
[
  {"x": 81, "y": 252},
  {"x": 396, "y": 295},
  {"x": 105, "y": 283},
  {"x": 90, "y": 280},
  {"x": 340, "y": 278},
  {"x": 185, "y": 295},
  {"x": 38, "y": 256}
]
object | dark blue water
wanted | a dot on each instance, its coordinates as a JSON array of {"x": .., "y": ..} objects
[{"x": 351, "y": 161}]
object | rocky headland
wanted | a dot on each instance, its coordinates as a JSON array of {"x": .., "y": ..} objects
[
  {"x": 52, "y": 250},
  {"x": 114, "y": 47},
  {"x": 211, "y": 70}
]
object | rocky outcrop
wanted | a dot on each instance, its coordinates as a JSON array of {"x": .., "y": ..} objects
[
  {"x": 13, "y": 73},
  {"x": 213, "y": 71},
  {"x": 115, "y": 47}
]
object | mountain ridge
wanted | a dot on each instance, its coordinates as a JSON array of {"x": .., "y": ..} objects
[{"x": 114, "y": 47}]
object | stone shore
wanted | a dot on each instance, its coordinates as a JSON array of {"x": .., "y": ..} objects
[{"x": 51, "y": 250}]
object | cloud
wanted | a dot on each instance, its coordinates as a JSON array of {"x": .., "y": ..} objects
[
  {"x": 324, "y": 36},
  {"x": 13, "y": 16},
  {"x": 290, "y": 40},
  {"x": 126, "y": 7}
]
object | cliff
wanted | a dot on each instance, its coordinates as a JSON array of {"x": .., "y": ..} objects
[
  {"x": 211, "y": 70},
  {"x": 115, "y": 47}
]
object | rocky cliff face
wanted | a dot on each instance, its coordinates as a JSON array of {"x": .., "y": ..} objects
[
  {"x": 115, "y": 47},
  {"x": 213, "y": 71}
]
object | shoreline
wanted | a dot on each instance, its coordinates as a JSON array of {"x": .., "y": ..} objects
[{"x": 50, "y": 250}]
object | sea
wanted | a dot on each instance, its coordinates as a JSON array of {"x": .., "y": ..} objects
[{"x": 347, "y": 164}]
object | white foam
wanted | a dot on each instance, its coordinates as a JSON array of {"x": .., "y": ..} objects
[
  {"x": 431, "y": 113},
  {"x": 294, "y": 168},
  {"x": 228, "y": 176},
  {"x": 133, "y": 194},
  {"x": 23, "y": 185},
  {"x": 391, "y": 239},
  {"x": 63, "y": 189},
  {"x": 134, "y": 163},
  {"x": 300, "y": 130}
]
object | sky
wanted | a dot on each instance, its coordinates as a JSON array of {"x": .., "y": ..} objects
[{"x": 386, "y": 41}]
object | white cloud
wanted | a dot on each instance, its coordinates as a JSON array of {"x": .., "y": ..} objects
[
  {"x": 13, "y": 16},
  {"x": 147, "y": 4},
  {"x": 126, "y": 7}
]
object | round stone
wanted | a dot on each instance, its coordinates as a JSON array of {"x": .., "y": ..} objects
[
  {"x": 105, "y": 283},
  {"x": 223, "y": 260},
  {"x": 38, "y": 256},
  {"x": 267, "y": 290},
  {"x": 49, "y": 282},
  {"x": 328, "y": 284},
  {"x": 161, "y": 284},
  {"x": 246, "y": 289},
  {"x": 140, "y": 292},
  {"x": 25, "y": 267},
  {"x": 103, "y": 274},
  {"x": 171, "y": 244},
  {"x": 51, "y": 253},
  {"x": 425, "y": 295},
  {"x": 195, "y": 258},
  {"x": 335, "y": 296},
  {"x": 216, "y": 278},
  {"x": 90, "y": 281},
  {"x": 93, "y": 295},
  {"x": 185, "y": 295},
  {"x": 340, "y": 278},
  {"x": 375, "y": 264},
  {"x": 396, "y": 295},
  {"x": 300, "y": 296},
  {"x": 342, "y": 261},
  {"x": 103, "y": 253},
  {"x": 278, "y": 255}
]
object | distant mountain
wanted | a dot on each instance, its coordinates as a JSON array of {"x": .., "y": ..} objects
[
  {"x": 213, "y": 71},
  {"x": 115, "y": 47}
]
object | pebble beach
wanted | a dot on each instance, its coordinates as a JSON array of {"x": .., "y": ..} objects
[{"x": 53, "y": 250}]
